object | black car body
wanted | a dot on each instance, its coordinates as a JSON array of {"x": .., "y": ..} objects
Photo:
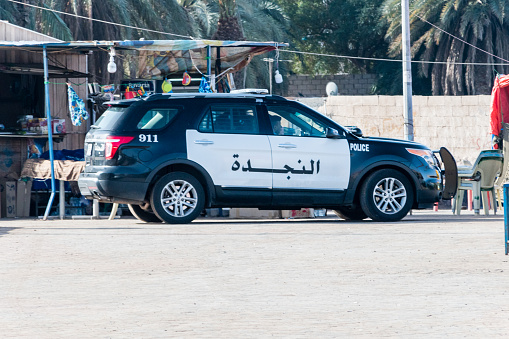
[{"x": 170, "y": 155}]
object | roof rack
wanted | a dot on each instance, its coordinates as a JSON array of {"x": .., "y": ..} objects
[
  {"x": 159, "y": 96},
  {"x": 250, "y": 91}
]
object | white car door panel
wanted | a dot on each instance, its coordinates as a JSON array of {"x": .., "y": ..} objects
[
  {"x": 310, "y": 163},
  {"x": 232, "y": 160}
]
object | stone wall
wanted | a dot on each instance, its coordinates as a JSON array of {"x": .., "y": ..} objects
[
  {"x": 314, "y": 86},
  {"x": 460, "y": 123}
]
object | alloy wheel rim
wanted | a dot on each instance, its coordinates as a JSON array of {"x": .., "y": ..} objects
[
  {"x": 179, "y": 198},
  {"x": 389, "y": 195}
]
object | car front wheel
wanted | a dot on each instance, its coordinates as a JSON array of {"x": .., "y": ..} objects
[
  {"x": 177, "y": 198},
  {"x": 386, "y": 195}
]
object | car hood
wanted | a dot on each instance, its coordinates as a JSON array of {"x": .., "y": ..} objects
[{"x": 404, "y": 143}]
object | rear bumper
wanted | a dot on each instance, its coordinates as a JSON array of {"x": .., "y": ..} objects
[{"x": 92, "y": 186}]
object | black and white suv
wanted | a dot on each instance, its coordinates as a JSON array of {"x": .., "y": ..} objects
[{"x": 169, "y": 156}]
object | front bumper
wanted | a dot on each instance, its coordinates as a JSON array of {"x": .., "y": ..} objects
[{"x": 439, "y": 186}]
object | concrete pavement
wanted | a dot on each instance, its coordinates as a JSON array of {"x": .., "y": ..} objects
[{"x": 431, "y": 275}]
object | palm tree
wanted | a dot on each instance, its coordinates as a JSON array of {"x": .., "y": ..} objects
[
  {"x": 204, "y": 16},
  {"x": 255, "y": 20},
  {"x": 480, "y": 24},
  {"x": 162, "y": 15},
  {"x": 262, "y": 21},
  {"x": 228, "y": 26}
]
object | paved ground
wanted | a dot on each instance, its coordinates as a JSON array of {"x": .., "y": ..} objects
[{"x": 431, "y": 275}]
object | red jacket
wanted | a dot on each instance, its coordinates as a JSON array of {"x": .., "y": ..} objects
[{"x": 499, "y": 103}]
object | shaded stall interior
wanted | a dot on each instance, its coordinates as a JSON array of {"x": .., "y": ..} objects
[{"x": 22, "y": 95}]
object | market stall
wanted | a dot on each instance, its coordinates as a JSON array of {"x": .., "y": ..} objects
[{"x": 159, "y": 58}]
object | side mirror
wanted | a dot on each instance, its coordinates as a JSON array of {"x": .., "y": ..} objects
[
  {"x": 354, "y": 130},
  {"x": 332, "y": 133}
]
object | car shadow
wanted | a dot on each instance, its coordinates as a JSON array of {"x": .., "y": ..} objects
[
  {"x": 6, "y": 230},
  {"x": 421, "y": 219}
]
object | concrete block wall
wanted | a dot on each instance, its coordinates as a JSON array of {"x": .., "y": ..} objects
[
  {"x": 314, "y": 85},
  {"x": 460, "y": 123}
]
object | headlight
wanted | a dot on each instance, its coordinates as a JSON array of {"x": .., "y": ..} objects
[{"x": 427, "y": 155}]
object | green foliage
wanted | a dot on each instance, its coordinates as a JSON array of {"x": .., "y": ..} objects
[
  {"x": 480, "y": 23},
  {"x": 356, "y": 28},
  {"x": 348, "y": 28},
  {"x": 204, "y": 16},
  {"x": 345, "y": 28},
  {"x": 263, "y": 21},
  {"x": 52, "y": 24},
  {"x": 9, "y": 11}
]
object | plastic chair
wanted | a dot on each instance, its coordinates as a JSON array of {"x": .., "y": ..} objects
[
  {"x": 501, "y": 180},
  {"x": 504, "y": 174},
  {"x": 480, "y": 179}
]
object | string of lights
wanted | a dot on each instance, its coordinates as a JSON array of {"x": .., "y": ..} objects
[
  {"x": 396, "y": 60},
  {"x": 505, "y": 62}
]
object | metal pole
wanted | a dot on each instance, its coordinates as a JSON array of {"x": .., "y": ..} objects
[
  {"x": 270, "y": 76},
  {"x": 209, "y": 62},
  {"x": 506, "y": 217},
  {"x": 270, "y": 61},
  {"x": 407, "y": 72},
  {"x": 50, "y": 133}
]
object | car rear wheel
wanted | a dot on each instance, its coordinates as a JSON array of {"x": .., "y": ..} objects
[
  {"x": 177, "y": 198},
  {"x": 351, "y": 213},
  {"x": 143, "y": 213},
  {"x": 386, "y": 195}
]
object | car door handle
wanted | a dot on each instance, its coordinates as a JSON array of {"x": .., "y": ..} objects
[
  {"x": 204, "y": 142},
  {"x": 287, "y": 145}
]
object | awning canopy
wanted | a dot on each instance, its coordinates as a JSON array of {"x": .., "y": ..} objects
[
  {"x": 146, "y": 45},
  {"x": 38, "y": 69},
  {"x": 160, "y": 58}
]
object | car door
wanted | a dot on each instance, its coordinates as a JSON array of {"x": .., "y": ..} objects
[
  {"x": 304, "y": 159},
  {"x": 228, "y": 145}
]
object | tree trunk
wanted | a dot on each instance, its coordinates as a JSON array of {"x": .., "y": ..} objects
[{"x": 229, "y": 27}]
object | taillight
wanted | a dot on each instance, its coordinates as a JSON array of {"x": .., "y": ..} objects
[{"x": 112, "y": 145}]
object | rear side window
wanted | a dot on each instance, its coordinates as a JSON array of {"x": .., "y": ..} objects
[
  {"x": 157, "y": 118},
  {"x": 110, "y": 117},
  {"x": 238, "y": 119}
]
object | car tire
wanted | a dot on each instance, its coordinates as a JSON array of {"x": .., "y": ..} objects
[
  {"x": 386, "y": 195},
  {"x": 348, "y": 213},
  {"x": 143, "y": 214},
  {"x": 177, "y": 198}
]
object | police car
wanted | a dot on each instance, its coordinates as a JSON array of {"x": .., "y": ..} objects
[{"x": 169, "y": 156}]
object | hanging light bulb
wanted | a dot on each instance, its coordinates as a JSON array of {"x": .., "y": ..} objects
[
  {"x": 112, "y": 66},
  {"x": 278, "y": 77}
]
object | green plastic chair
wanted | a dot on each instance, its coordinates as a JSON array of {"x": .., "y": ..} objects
[{"x": 480, "y": 179}]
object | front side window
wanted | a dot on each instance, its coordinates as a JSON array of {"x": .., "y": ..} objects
[
  {"x": 291, "y": 121},
  {"x": 238, "y": 119},
  {"x": 157, "y": 118}
]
